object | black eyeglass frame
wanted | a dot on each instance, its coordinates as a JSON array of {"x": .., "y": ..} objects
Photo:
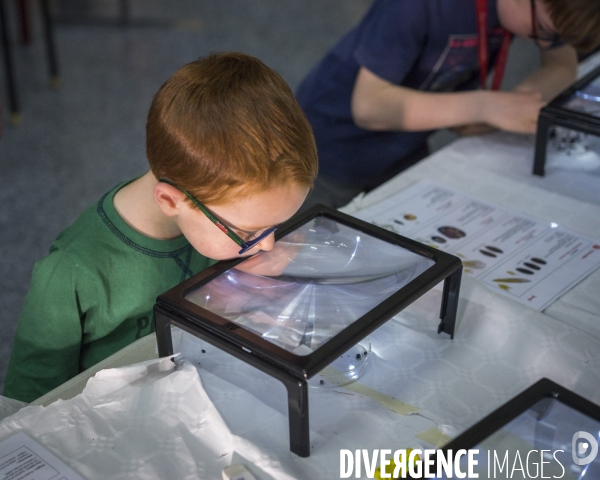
[
  {"x": 220, "y": 225},
  {"x": 552, "y": 40}
]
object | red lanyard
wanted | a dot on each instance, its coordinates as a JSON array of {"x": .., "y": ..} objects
[{"x": 482, "y": 45}]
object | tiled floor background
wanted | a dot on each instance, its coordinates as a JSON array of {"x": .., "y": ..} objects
[{"x": 77, "y": 142}]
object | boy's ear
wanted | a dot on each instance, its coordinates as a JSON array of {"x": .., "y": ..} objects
[{"x": 168, "y": 198}]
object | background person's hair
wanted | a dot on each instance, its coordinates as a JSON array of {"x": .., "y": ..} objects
[
  {"x": 577, "y": 22},
  {"x": 227, "y": 124}
]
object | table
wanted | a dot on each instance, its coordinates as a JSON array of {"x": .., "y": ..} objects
[{"x": 420, "y": 390}]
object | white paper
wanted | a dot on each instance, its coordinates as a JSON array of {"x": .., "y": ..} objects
[
  {"x": 527, "y": 260},
  {"x": 21, "y": 458}
]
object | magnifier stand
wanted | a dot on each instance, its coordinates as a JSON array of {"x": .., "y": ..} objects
[{"x": 308, "y": 321}]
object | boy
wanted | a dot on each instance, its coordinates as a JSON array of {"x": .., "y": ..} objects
[
  {"x": 374, "y": 99},
  {"x": 231, "y": 157}
]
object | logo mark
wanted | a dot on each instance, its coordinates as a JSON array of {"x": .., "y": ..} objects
[{"x": 585, "y": 448}]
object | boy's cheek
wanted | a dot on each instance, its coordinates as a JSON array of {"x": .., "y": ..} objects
[
  {"x": 217, "y": 246},
  {"x": 217, "y": 251}
]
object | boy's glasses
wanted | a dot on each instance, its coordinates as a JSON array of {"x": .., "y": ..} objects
[
  {"x": 246, "y": 245},
  {"x": 549, "y": 39}
]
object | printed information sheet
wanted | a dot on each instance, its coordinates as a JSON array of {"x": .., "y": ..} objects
[
  {"x": 21, "y": 458},
  {"x": 527, "y": 260}
]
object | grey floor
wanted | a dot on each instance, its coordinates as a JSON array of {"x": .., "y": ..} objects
[{"x": 77, "y": 142}]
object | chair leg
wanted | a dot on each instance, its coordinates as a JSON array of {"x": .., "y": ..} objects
[
  {"x": 13, "y": 103},
  {"x": 124, "y": 13},
  {"x": 24, "y": 21},
  {"x": 50, "y": 46}
]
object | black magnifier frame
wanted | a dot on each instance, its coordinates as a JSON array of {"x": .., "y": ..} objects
[{"x": 538, "y": 398}]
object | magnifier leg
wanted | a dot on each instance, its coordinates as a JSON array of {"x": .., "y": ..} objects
[
  {"x": 450, "y": 302},
  {"x": 298, "y": 416},
  {"x": 541, "y": 140},
  {"x": 163, "y": 334}
]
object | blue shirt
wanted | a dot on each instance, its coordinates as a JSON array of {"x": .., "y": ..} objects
[{"x": 428, "y": 45}]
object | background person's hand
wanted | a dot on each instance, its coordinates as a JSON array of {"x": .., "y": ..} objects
[{"x": 513, "y": 111}]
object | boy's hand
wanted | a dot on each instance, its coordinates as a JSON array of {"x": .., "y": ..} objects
[{"x": 512, "y": 111}]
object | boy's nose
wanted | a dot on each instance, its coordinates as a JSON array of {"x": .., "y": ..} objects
[{"x": 267, "y": 243}]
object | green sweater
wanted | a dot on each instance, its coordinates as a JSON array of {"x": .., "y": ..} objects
[{"x": 91, "y": 296}]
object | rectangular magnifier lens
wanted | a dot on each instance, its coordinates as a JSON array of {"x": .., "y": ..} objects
[{"x": 315, "y": 282}]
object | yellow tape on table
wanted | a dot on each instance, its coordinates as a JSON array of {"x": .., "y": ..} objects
[
  {"x": 383, "y": 399},
  {"x": 432, "y": 435}
]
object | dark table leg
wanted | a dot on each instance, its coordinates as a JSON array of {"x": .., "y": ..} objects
[
  {"x": 13, "y": 103},
  {"x": 50, "y": 45},
  {"x": 24, "y": 21},
  {"x": 298, "y": 416},
  {"x": 124, "y": 13}
]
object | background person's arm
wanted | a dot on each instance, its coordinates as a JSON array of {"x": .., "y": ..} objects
[
  {"x": 558, "y": 71},
  {"x": 380, "y": 105}
]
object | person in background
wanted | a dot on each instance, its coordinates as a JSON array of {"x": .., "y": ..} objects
[
  {"x": 231, "y": 157},
  {"x": 411, "y": 67}
]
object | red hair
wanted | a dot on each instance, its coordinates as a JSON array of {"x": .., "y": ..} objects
[{"x": 228, "y": 124}]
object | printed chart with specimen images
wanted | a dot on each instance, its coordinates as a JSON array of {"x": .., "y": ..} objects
[{"x": 528, "y": 260}]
